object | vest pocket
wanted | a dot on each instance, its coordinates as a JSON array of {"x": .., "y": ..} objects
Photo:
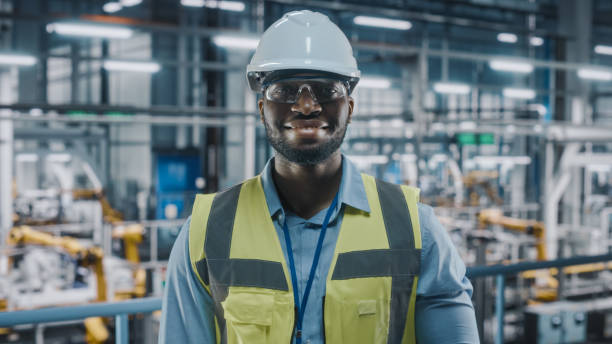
[
  {"x": 254, "y": 317},
  {"x": 363, "y": 321}
]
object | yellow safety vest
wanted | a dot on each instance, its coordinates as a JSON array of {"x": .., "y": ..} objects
[{"x": 372, "y": 281}]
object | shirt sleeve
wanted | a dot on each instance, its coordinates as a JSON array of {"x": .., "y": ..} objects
[
  {"x": 187, "y": 308},
  {"x": 444, "y": 312}
]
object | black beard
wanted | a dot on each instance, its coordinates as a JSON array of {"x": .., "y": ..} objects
[{"x": 310, "y": 156}]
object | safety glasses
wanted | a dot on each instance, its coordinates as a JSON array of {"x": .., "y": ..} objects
[{"x": 288, "y": 91}]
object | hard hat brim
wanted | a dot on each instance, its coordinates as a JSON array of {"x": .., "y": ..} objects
[{"x": 258, "y": 79}]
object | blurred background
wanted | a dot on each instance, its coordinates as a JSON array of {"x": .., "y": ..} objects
[{"x": 114, "y": 114}]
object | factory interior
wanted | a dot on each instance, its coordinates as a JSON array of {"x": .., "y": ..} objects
[{"x": 114, "y": 114}]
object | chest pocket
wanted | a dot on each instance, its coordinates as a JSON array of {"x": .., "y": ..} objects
[
  {"x": 257, "y": 316},
  {"x": 362, "y": 320}
]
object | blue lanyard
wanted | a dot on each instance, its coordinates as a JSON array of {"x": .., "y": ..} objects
[{"x": 301, "y": 307}]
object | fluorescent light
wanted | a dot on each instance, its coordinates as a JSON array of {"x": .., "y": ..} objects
[
  {"x": 382, "y": 22},
  {"x": 374, "y": 123},
  {"x": 193, "y": 3},
  {"x": 131, "y": 66},
  {"x": 236, "y": 42},
  {"x": 235, "y": 6},
  {"x": 90, "y": 30},
  {"x": 536, "y": 41},
  {"x": 112, "y": 7},
  {"x": 17, "y": 60},
  {"x": 511, "y": 66},
  {"x": 594, "y": 74},
  {"x": 603, "y": 49},
  {"x": 507, "y": 37},
  {"x": 451, "y": 88},
  {"x": 130, "y": 3},
  {"x": 520, "y": 93},
  {"x": 374, "y": 82},
  {"x": 502, "y": 160}
]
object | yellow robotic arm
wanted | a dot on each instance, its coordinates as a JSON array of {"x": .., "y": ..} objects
[
  {"x": 86, "y": 256},
  {"x": 535, "y": 228}
]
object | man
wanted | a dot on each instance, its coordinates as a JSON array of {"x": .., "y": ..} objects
[{"x": 311, "y": 251}]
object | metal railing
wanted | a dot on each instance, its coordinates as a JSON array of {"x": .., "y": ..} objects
[
  {"x": 121, "y": 310},
  {"x": 500, "y": 272}
]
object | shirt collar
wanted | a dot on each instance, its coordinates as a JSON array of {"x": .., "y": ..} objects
[{"x": 352, "y": 191}]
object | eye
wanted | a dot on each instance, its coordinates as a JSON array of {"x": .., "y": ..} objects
[{"x": 281, "y": 91}]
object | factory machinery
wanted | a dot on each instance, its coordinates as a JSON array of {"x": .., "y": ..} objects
[
  {"x": 498, "y": 110},
  {"x": 67, "y": 241},
  {"x": 481, "y": 200},
  {"x": 69, "y": 247}
]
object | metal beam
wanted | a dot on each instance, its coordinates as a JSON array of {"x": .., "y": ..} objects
[
  {"x": 412, "y": 15},
  {"x": 101, "y": 109}
]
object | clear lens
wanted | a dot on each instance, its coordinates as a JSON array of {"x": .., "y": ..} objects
[{"x": 321, "y": 90}]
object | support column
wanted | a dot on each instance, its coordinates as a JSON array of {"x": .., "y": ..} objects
[
  {"x": 575, "y": 18},
  {"x": 6, "y": 176}
]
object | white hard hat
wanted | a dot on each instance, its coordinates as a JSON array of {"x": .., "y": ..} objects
[{"x": 302, "y": 41}]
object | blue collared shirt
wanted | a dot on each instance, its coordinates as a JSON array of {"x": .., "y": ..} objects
[{"x": 444, "y": 311}]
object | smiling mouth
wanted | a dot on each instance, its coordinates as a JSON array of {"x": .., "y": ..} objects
[{"x": 306, "y": 125}]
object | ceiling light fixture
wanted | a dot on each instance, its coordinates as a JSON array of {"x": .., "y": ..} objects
[
  {"x": 507, "y": 37},
  {"x": 112, "y": 7},
  {"x": 603, "y": 49},
  {"x": 130, "y": 3},
  {"x": 193, "y": 3},
  {"x": 236, "y": 42},
  {"x": 90, "y": 30},
  {"x": 17, "y": 60},
  {"x": 131, "y": 66},
  {"x": 451, "y": 88},
  {"x": 519, "y": 93},
  {"x": 595, "y": 74},
  {"x": 536, "y": 41},
  {"x": 386, "y": 23},
  {"x": 511, "y": 66},
  {"x": 235, "y": 6}
]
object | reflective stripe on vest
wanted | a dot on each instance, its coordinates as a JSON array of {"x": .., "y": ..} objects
[{"x": 371, "y": 284}]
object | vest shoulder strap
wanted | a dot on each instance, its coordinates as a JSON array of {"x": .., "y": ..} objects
[
  {"x": 197, "y": 234},
  {"x": 412, "y": 199},
  {"x": 216, "y": 211},
  {"x": 395, "y": 200}
]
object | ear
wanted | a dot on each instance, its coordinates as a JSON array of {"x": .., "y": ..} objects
[
  {"x": 260, "y": 104},
  {"x": 351, "y": 106}
]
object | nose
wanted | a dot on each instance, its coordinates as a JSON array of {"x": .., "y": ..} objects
[{"x": 306, "y": 104}]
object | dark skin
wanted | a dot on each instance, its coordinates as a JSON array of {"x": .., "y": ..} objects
[{"x": 307, "y": 189}]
